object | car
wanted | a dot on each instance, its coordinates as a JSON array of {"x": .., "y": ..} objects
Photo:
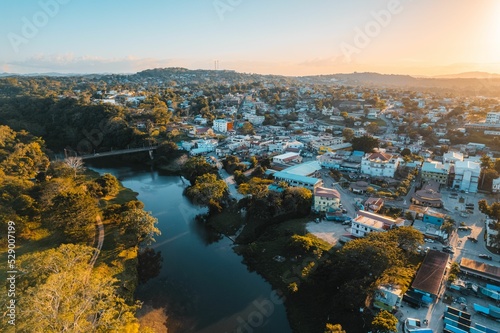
[
  {"x": 472, "y": 239},
  {"x": 465, "y": 228},
  {"x": 428, "y": 240},
  {"x": 448, "y": 250},
  {"x": 485, "y": 256}
]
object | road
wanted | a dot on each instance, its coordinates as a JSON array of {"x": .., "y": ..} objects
[
  {"x": 476, "y": 221},
  {"x": 100, "y": 241},
  {"x": 231, "y": 184},
  {"x": 346, "y": 197}
]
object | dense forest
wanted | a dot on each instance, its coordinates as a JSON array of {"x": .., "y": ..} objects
[{"x": 54, "y": 211}]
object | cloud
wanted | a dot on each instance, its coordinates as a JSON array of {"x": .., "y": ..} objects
[{"x": 69, "y": 63}]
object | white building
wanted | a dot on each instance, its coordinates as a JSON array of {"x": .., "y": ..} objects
[
  {"x": 452, "y": 157},
  {"x": 493, "y": 118},
  {"x": 367, "y": 222},
  {"x": 287, "y": 158},
  {"x": 379, "y": 164},
  {"x": 325, "y": 198},
  {"x": 467, "y": 175},
  {"x": 221, "y": 125},
  {"x": 255, "y": 120},
  {"x": 495, "y": 188}
]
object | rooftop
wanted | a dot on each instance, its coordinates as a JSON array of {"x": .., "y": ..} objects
[
  {"x": 431, "y": 272},
  {"x": 489, "y": 271}
]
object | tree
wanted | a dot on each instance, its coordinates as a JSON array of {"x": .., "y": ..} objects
[
  {"x": 247, "y": 128},
  {"x": 75, "y": 163},
  {"x": 406, "y": 152},
  {"x": 385, "y": 322},
  {"x": 372, "y": 128},
  {"x": 206, "y": 188},
  {"x": 407, "y": 238},
  {"x": 486, "y": 164},
  {"x": 195, "y": 167},
  {"x": 74, "y": 212},
  {"x": 141, "y": 224},
  {"x": 348, "y": 134},
  {"x": 61, "y": 293},
  {"x": 107, "y": 185},
  {"x": 331, "y": 328},
  {"x": 365, "y": 143}
]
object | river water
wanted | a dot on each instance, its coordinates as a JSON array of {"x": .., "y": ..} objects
[{"x": 203, "y": 284}]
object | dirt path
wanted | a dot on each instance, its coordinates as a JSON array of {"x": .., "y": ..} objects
[{"x": 100, "y": 241}]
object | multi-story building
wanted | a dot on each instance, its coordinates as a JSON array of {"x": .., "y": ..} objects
[
  {"x": 435, "y": 171},
  {"x": 467, "y": 176},
  {"x": 495, "y": 188},
  {"x": 326, "y": 198},
  {"x": 222, "y": 125},
  {"x": 379, "y": 164},
  {"x": 493, "y": 118},
  {"x": 367, "y": 222},
  {"x": 452, "y": 157}
]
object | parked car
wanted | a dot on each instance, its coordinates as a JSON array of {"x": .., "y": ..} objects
[
  {"x": 428, "y": 240},
  {"x": 448, "y": 250},
  {"x": 485, "y": 256},
  {"x": 472, "y": 239},
  {"x": 465, "y": 228}
]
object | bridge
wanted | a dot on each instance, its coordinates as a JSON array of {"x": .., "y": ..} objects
[{"x": 119, "y": 152}]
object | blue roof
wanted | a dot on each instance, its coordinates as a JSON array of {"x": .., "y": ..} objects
[
  {"x": 358, "y": 153},
  {"x": 297, "y": 178}
]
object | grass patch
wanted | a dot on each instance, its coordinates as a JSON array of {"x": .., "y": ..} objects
[{"x": 125, "y": 195}]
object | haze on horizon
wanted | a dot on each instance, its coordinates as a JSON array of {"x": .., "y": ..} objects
[{"x": 288, "y": 37}]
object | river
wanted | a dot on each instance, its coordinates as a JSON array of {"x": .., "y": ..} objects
[{"x": 203, "y": 286}]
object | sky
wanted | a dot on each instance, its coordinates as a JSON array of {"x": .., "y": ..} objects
[{"x": 286, "y": 37}]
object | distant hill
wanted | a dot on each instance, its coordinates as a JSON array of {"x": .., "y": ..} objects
[{"x": 469, "y": 75}]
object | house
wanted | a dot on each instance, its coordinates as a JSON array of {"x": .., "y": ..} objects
[
  {"x": 366, "y": 222},
  {"x": 428, "y": 196},
  {"x": 429, "y": 277},
  {"x": 374, "y": 204},
  {"x": 287, "y": 158},
  {"x": 480, "y": 270},
  {"x": 379, "y": 164},
  {"x": 326, "y": 198},
  {"x": 297, "y": 180},
  {"x": 467, "y": 175},
  {"x": 452, "y": 157},
  {"x": 435, "y": 171},
  {"x": 388, "y": 297}
]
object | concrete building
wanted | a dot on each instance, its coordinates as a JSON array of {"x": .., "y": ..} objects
[
  {"x": 367, "y": 222},
  {"x": 379, "y": 164},
  {"x": 287, "y": 158},
  {"x": 495, "y": 188},
  {"x": 297, "y": 180},
  {"x": 452, "y": 157},
  {"x": 222, "y": 125},
  {"x": 467, "y": 176},
  {"x": 388, "y": 297},
  {"x": 326, "y": 198},
  {"x": 493, "y": 118},
  {"x": 428, "y": 196},
  {"x": 435, "y": 171},
  {"x": 429, "y": 278}
]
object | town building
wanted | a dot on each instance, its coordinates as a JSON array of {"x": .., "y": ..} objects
[
  {"x": 429, "y": 278},
  {"x": 495, "y": 187},
  {"x": 374, "y": 204},
  {"x": 388, "y": 297},
  {"x": 366, "y": 222},
  {"x": 435, "y": 171},
  {"x": 467, "y": 176},
  {"x": 222, "y": 125},
  {"x": 428, "y": 196},
  {"x": 379, "y": 164},
  {"x": 326, "y": 198},
  {"x": 287, "y": 158}
]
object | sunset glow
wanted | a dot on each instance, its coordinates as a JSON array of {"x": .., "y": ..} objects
[{"x": 282, "y": 37}]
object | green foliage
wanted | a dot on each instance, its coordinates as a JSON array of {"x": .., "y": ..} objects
[
  {"x": 107, "y": 184},
  {"x": 141, "y": 224},
  {"x": 331, "y": 328},
  {"x": 365, "y": 143},
  {"x": 207, "y": 189},
  {"x": 61, "y": 293},
  {"x": 195, "y": 167},
  {"x": 385, "y": 322},
  {"x": 74, "y": 212}
]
